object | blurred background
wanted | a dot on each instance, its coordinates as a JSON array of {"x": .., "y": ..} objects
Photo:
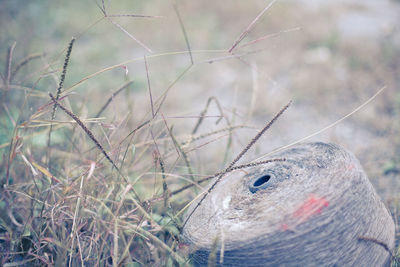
[{"x": 329, "y": 57}]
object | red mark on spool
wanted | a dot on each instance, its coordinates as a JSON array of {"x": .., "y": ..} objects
[
  {"x": 285, "y": 227},
  {"x": 350, "y": 167},
  {"x": 311, "y": 206}
]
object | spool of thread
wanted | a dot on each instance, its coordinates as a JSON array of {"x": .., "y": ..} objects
[{"x": 316, "y": 208}]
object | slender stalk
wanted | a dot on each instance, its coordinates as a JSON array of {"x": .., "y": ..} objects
[{"x": 244, "y": 151}]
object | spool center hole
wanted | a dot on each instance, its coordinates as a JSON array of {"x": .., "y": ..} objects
[{"x": 262, "y": 180}]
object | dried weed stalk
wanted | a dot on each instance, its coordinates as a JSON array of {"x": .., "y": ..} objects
[
  {"x": 239, "y": 167},
  {"x": 383, "y": 245},
  {"x": 85, "y": 129},
  {"x": 184, "y": 33},
  {"x": 23, "y": 62},
  {"x": 203, "y": 113},
  {"x": 244, "y": 151},
  {"x": 111, "y": 98},
  {"x": 184, "y": 155},
  {"x": 10, "y": 52},
  {"x": 60, "y": 86}
]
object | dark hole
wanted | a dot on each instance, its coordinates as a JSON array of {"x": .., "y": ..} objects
[{"x": 262, "y": 180}]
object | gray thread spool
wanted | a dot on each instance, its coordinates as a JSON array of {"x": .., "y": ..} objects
[{"x": 309, "y": 210}]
